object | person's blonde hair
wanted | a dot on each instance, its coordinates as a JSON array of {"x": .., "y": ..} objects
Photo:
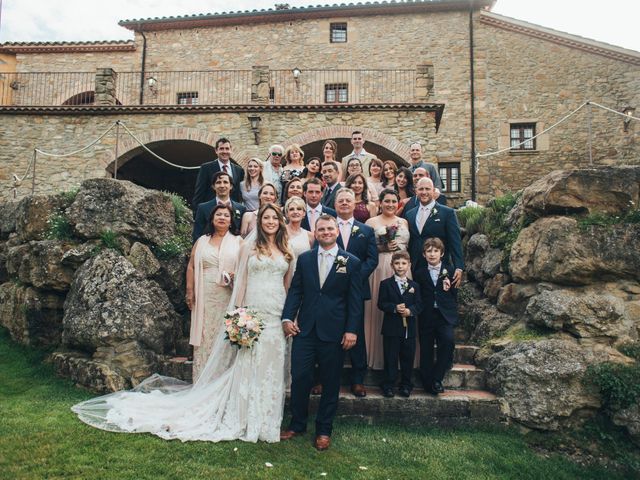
[
  {"x": 292, "y": 201},
  {"x": 291, "y": 148},
  {"x": 247, "y": 177}
]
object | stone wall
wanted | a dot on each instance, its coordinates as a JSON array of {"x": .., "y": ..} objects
[
  {"x": 63, "y": 133},
  {"x": 518, "y": 77}
]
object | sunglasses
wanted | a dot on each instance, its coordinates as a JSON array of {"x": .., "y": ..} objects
[{"x": 276, "y": 154}]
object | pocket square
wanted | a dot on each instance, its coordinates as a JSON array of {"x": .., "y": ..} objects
[
  {"x": 341, "y": 270},
  {"x": 436, "y": 219}
]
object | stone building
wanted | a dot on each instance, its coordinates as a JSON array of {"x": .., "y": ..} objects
[{"x": 448, "y": 73}]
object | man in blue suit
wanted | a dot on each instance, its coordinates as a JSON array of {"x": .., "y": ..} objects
[
  {"x": 430, "y": 219},
  {"x": 323, "y": 313},
  {"x": 312, "y": 193},
  {"x": 419, "y": 173},
  {"x": 223, "y": 188},
  {"x": 360, "y": 240},
  {"x": 224, "y": 163}
]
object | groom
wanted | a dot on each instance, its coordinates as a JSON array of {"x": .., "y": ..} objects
[{"x": 326, "y": 297}]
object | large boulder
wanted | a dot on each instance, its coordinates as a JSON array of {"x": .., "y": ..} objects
[
  {"x": 513, "y": 298},
  {"x": 554, "y": 249},
  {"x": 32, "y": 214},
  {"x": 172, "y": 277},
  {"x": 630, "y": 419},
  {"x": 96, "y": 376},
  {"x": 612, "y": 190},
  {"x": 487, "y": 321},
  {"x": 593, "y": 315},
  {"x": 124, "y": 208},
  {"x": 32, "y": 317},
  {"x": 542, "y": 381},
  {"x": 8, "y": 218},
  {"x": 143, "y": 259},
  {"x": 39, "y": 263},
  {"x": 111, "y": 302}
]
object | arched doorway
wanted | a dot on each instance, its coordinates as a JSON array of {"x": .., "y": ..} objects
[
  {"x": 314, "y": 149},
  {"x": 142, "y": 168}
]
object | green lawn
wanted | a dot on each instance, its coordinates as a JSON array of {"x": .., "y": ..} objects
[{"x": 41, "y": 438}]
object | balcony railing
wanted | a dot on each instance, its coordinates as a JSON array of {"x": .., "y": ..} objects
[{"x": 219, "y": 87}]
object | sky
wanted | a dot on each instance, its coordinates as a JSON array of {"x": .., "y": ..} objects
[{"x": 610, "y": 21}]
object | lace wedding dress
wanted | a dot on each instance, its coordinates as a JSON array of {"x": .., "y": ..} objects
[{"x": 239, "y": 394}]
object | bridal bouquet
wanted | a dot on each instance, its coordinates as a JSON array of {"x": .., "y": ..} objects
[
  {"x": 387, "y": 234},
  {"x": 242, "y": 327}
]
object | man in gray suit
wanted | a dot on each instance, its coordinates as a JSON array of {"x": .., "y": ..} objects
[
  {"x": 415, "y": 153},
  {"x": 330, "y": 176},
  {"x": 357, "y": 140}
]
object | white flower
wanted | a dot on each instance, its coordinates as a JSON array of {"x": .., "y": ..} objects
[
  {"x": 381, "y": 231},
  {"x": 363, "y": 468},
  {"x": 267, "y": 464},
  {"x": 355, "y": 230}
]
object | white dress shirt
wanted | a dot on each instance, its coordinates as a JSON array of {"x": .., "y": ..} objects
[{"x": 228, "y": 165}]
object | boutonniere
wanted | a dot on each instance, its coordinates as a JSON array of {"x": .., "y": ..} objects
[
  {"x": 404, "y": 285},
  {"x": 434, "y": 212},
  {"x": 355, "y": 229},
  {"x": 341, "y": 264},
  {"x": 446, "y": 283},
  {"x": 237, "y": 214}
]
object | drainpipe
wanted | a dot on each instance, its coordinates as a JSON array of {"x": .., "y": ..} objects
[
  {"x": 473, "y": 107},
  {"x": 142, "y": 69}
]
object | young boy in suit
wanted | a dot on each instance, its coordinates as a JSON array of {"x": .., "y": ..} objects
[
  {"x": 399, "y": 299},
  {"x": 438, "y": 317}
]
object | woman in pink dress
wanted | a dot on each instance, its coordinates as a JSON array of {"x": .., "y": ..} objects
[{"x": 392, "y": 234}]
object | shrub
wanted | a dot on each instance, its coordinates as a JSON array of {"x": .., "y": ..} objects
[
  {"x": 180, "y": 243},
  {"x": 471, "y": 218},
  {"x": 598, "y": 219},
  {"x": 58, "y": 227},
  {"x": 619, "y": 384},
  {"x": 630, "y": 350},
  {"x": 70, "y": 195},
  {"x": 109, "y": 239}
]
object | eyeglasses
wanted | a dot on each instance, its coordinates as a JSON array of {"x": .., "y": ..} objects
[{"x": 276, "y": 154}]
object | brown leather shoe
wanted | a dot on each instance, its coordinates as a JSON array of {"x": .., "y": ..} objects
[
  {"x": 289, "y": 434},
  {"x": 358, "y": 390},
  {"x": 322, "y": 442},
  {"x": 317, "y": 390}
]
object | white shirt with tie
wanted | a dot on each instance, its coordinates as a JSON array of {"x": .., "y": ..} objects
[
  {"x": 402, "y": 283},
  {"x": 228, "y": 165},
  {"x": 434, "y": 272},
  {"x": 424, "y": 211},
  {"x": 345, "y": 227},
  {"x": 326, "y": 258},
  {"x": 312, "y": 215}
]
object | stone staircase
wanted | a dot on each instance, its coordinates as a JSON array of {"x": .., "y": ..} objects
[{"x": 465, "y": 401}]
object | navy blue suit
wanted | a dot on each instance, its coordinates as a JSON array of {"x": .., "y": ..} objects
[
  {"x": 329, "y": 199},
  {"x": 324, "y": 210},
  {"x": 415, "y": 202},
  {"x": 203, "y": 190},
  {"x": 443, "y": 224},
  {"x": 203, "y": 212},
  {"x": 324, "y": 314},
  {"x": 398, "y": 342},
  {"x": 362, "y": 244},
  {"x": 435, "y": 324}
]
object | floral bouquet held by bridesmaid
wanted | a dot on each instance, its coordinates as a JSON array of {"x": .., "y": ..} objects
[{"x": 386, "y": 236}]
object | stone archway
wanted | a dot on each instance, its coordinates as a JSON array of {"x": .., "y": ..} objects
[
  {"x": 185, "y": 147},
  {"x": 391, "y": 148}
]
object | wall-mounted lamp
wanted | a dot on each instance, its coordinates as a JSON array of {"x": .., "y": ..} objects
[
  {"x": 15, "y": 85},
  {"x": 628, "y": 111},
  {"x": 296, "y": 74},
  {"x": 255, "y": 124},
  {"x": 153, "y": 84}
]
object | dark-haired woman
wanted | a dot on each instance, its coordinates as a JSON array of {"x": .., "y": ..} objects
[
  {"x": 210, "y": 273},
  {"x": 404, "y": 187}
]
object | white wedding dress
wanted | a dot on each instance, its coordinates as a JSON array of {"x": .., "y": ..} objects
[{"x": 239, "y": 394}]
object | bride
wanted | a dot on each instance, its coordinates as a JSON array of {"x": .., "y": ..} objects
[{"x": 240, "y": 393}]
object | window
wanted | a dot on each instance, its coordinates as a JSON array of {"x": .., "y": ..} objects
[
  {"x": 522, "y": 132},
  {"x": 272, "y": 95},
  {"x": 188, "y": 98},
  {"x": 336, "y": 93},
  {"x": 338, "y": 33},
  {"x": 450, "y": 175}
]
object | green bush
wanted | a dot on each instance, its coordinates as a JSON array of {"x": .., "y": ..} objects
[
  {"x": 471, "y": 218},
  {"x": 630, "y": 350},
  {"x": 58, "y": 227},
  {"x": 619, "y": 384},
  {"x": 598, "y": 219},
  {"x": 109, "y": 239},
  {"x": 70, "y": 195}
]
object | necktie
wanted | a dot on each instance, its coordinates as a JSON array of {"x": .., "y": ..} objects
[
  {"x": 324, "y": 267},
  {"x": 225, "y": 169},
  {"x": 345, "y": 232},
  {"x": 434, "y": 272},
  {"x": 313, "y": 216},
  {"x": 421, "y": 218}
]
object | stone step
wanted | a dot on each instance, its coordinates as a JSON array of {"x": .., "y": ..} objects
[
  {"x": 465, "y": 354},
  {"x": 451, "y": 408},
  {"x": 461, "y": 376}
]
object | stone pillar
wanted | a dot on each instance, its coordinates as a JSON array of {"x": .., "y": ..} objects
[
  {"x": 424, "y": 81},
  {"x": 260, "y": 84},
  {"x": 106, "y": 86}
]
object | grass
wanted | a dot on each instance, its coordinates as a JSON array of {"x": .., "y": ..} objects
[
  {"x": 606, "y": 220},
  {"x": 41, "y": 438},
  {"x": 58, "y": 227},
  {"x": 179, "y": 243}
]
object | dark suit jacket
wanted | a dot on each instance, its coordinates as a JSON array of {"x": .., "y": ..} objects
[
  {"x": 305, "y": 221},
  {"x": 334, "y": 308},
  {"x": 388, "y": 297},
  {"x": 203, "y": 190},
  {"x": 330, "y": 200},
  {"x": 362, "y": 244},
  {"x": 432, "y": 170},
  {"x": 442, "y": 224},
  {"x": 447, "y": 301},
  {"x": 203, "y": 212}
]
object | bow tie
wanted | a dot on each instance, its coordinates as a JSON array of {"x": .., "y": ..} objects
[{"x": 434, "y": 269}]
